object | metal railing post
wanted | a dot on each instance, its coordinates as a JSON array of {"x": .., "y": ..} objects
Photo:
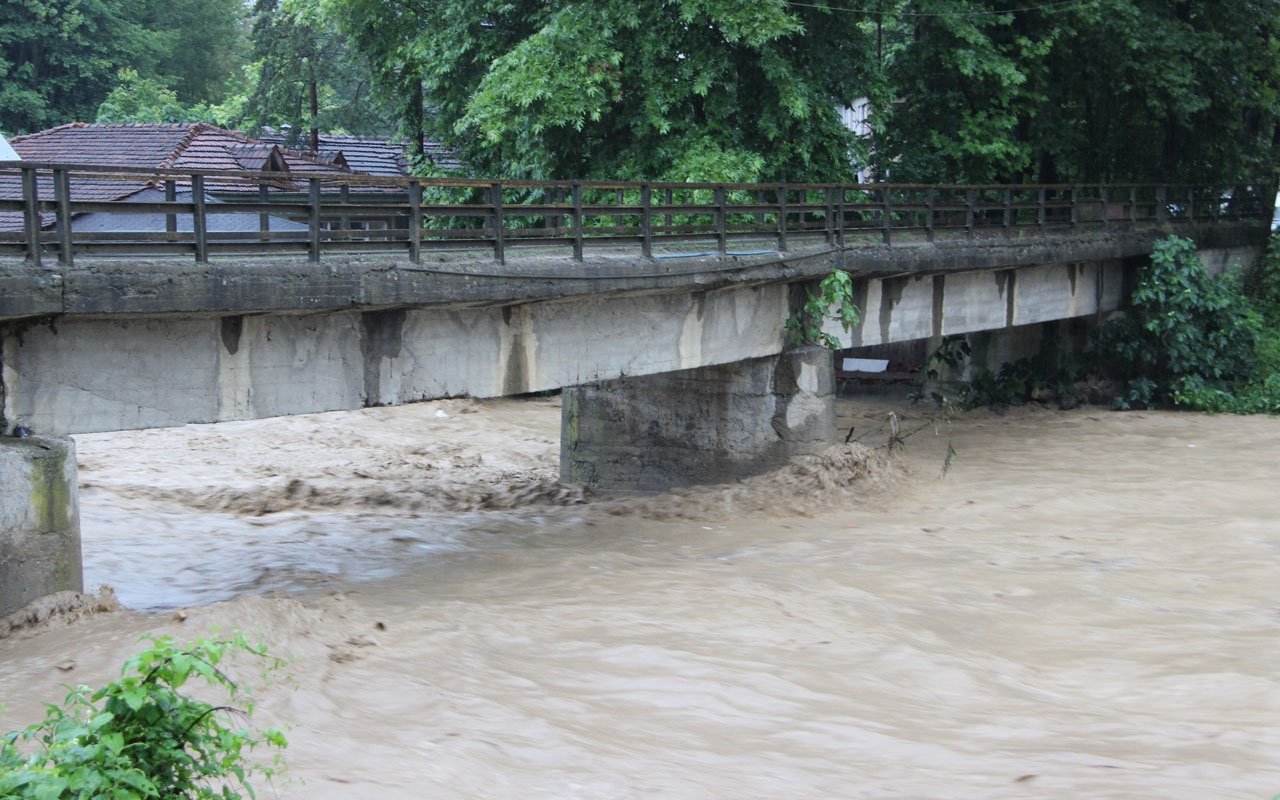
[
  {"x": 415, "y": 222},
  {"x": 829, "y": 201},
  {"x": 198, "y": 219},
  {"x": 31, "y": 214},
  {"x": 722, "y": 222},
  {"x": 576, "y": 196},
  {"x": 646, "y": 221},
  {"x": 62, "y": 198},
  {"x": 969, "y": 199},
  {"x": 344, "y": 218},
  {"x": 1075, "y": 209},
  {"x": 886, "y": 212},
  {"x": 839, "y": 218},
  {"x": 1162, "y": 204},
  {"x": 929, "y": 218},
  {"x": 1105, "y": 199},
  {"x": 499, "y": 224},
  {"x": 264, "y": 219},
  {"x": 782, "y": 218},
  {"x": 313, "y": 220},
  {"x": 171, "y": 218},
  {"x": 1008, "y": 213}
]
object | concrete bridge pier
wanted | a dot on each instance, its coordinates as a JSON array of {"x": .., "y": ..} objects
[
  {"x": 39, "y": 520},
  {"x": 697, "y": 426}
]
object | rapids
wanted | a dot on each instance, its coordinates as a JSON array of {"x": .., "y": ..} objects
[{"x": 1083, "y": 606}]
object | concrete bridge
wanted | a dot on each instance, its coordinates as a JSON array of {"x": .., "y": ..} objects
[{"x": 662, "y": 315}]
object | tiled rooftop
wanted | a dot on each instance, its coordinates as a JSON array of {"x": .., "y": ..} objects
[
  {"x": 371, "y": 155},
  {"x": 153, "y": 146},
  {"x": 149, "y": 146}
]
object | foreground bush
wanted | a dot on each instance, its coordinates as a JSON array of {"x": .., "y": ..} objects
[
  {"x": 139, "y": 737},
  {"x": 1187, "y": 340}
]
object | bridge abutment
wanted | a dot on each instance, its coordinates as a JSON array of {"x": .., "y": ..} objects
[
  {"x": 704, "y": 425},
  {"x": 39, "y": 520}
]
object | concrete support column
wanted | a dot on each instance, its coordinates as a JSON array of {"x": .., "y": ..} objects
[
  {"x": 704, "y": 425},
  {"x": 39, "y": 520}
]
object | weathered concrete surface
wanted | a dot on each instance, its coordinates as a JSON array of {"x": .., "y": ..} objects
[
  {"x": 909, "y": 307},
  {"x": 84, "y": 374},
  {"x": 1222, "y": 260},
  {"x": 39, "y": 520},
  {"x": 706, "y": 425},
  {"x": 174, "y": 286},
  {"x": 135, "y": 345},
  {"x": 244, "y": 286}
]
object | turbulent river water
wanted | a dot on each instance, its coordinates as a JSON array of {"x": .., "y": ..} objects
[{"x": 1084, "y": 606}]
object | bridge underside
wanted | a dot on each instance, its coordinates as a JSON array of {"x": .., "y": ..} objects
[
  {"x": 94, "y": 372},
  {"x": 664, "y": 386}
]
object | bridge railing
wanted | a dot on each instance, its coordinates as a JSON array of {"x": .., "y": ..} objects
[{"x": 64, "y": 210}]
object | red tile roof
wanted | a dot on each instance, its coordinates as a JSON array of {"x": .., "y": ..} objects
[
  {"x": 154, "y": 146},
  {"x": 196, "y": 146},
  {"x": 371, "y": 155}
]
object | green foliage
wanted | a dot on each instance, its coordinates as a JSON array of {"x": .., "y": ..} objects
[
  {"x": 1028, "y": 379},
  {"x": 1187, "y": 341},
  {"x": 138, "y": 99},
  {"x": 58, "y": 58},
  {"x": 1187, "y": 335},
  {"x": 1051, "y": 373},
  {"x": 1103, "y": 90},
  {"x": 1262, "y": 283},
  {"x": 306, "y": 75},
  {"x": 619, "y": 89},
  {"x": 202, "y": 45},
  {"x": 140, "y": 737},
  {"x": 834, "y": 302}
]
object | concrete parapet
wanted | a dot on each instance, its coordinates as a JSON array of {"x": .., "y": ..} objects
[
  {"x": 704, "y": 425},
  {"x": 39, "y": 520}
]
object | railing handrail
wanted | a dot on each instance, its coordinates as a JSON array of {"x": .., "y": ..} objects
[
  {"x": 135, "y": 173},
  {"x": 569, "y": 213}
]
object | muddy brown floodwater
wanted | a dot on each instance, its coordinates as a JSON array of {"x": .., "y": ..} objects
[{"x": 1085, "y": 606}]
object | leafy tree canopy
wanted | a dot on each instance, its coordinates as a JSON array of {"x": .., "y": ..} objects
[
  {"x": 139, "y": 99},
  {"x": 688, "y": 89},
  {"x": 1095, "y": 90},
  {"x": 960, "y": 90},
  {"x": 58, "y": 58},
  {"x": 202, "y": 45},
  {"x": 306, "y": 76}
]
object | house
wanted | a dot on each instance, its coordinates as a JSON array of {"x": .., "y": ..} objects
[
  {"x": 370, "y": 155},
  {"x": 194, "y": 146}
]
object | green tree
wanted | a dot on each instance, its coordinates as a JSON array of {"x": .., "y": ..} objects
[
  {"x": 707, "y": 89},
  {"x": 1187, "y": 336},
  {"x": 59, "y": 58},
  {"x": 203, "y": 45},
  {"x": 307, "y": 76},
  {"x": 1097, "y": 90},
  {"x": 138, "y": 99}
]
